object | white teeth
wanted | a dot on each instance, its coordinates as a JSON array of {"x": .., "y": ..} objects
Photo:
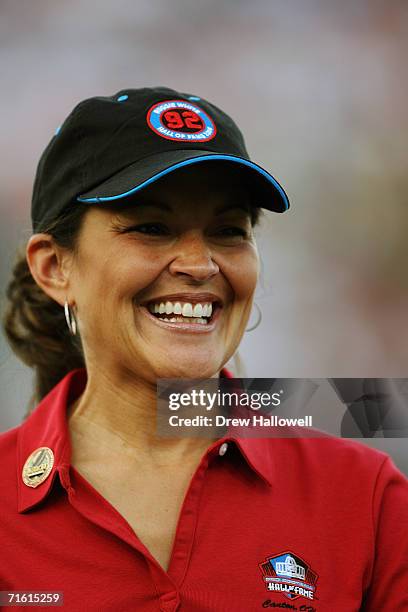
[
  {"x": 199, "y": 320},
  {"x": 187, "y": 310},
  {"x": 208, "y": 310},
  {"x": 182, "y": 308},
  {"x": 198, "y": 310}
]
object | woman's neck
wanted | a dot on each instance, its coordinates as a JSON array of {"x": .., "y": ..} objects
[{"x": 118, "y": 418}]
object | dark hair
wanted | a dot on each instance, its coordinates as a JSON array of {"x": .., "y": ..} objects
[{"x": 34, "y": 323}]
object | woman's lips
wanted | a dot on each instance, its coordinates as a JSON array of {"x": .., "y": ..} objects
[{"x": 192, "y": 328}]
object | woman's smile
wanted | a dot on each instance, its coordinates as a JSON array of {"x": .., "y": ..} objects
[
  {"x": 175, "y": 316},
  {"x": 185, "y": 312},
  {"x": 185, "y": 260}
]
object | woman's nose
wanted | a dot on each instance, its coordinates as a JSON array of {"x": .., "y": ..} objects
[{"x": 193, "y": 257}]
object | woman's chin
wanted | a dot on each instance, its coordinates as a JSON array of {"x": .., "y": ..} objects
[{"x": 188, "y": 369}]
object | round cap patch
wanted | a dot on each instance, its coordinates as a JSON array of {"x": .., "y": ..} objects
[
  {"x": 38, "y": 466},
  {"x": 181, "y": 120}
]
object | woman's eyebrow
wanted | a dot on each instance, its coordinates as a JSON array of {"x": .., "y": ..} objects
[
  {"x": 225, "y": 208},
  {"x": 162, "y": 206}
]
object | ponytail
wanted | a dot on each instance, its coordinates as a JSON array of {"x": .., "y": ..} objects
[{"x": 34, "y": 324}]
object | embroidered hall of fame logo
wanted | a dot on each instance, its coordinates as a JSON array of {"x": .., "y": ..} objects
[
  {"x": 290, "y": 575},
  {"x": 180, "y": 120}
]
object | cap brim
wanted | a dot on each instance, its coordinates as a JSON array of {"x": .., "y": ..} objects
[{"x": 137, "y": 176}]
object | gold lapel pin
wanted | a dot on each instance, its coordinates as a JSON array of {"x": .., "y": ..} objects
[{"x": 38, "y": 466}]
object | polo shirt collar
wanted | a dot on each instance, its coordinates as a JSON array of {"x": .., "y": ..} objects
[{"x": 47, "y": 427}]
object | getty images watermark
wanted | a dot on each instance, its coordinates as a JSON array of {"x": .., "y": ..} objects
[
  {"x": 199, "y": 398},
  {"x": 271, "y": 407}
]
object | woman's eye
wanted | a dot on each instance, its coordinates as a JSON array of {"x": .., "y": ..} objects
[
  {"x": 158, "y": 229},
  {"x": 153, "y": 229},
  {"x": 234, "y": 231}
]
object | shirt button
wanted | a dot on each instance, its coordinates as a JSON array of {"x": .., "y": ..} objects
[
  {"x": 169, "y": 602},
  {"x": 223, "y": 449}
]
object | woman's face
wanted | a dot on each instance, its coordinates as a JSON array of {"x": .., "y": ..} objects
[{"x": 185, "y": 240}]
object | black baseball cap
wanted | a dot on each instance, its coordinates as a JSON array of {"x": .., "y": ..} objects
[{"x": 109, "y": 148}]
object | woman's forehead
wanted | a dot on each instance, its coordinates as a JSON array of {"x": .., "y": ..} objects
[
  {"x": 213, "y": 207},
  {"x": 216, "y": 206}
]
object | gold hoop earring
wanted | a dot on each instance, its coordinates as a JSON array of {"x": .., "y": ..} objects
[
  {"x": 70, "y": 319},
  {"x": 252, "y": 327}
]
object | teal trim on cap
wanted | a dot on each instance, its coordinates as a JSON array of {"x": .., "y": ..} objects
[{"x": 187, "y": 162}]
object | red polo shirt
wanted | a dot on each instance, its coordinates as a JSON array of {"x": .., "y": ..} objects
[{"x": 299, "y": 524}]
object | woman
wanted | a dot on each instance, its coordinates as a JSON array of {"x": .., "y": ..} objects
[{"x": 143, "y": 265}]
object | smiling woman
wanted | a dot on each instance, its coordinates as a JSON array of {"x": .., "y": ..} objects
[
  {"x": 193, "y": 250},
  {"x": 143, "y": 265},
  {"x": 133, "y": 244}
]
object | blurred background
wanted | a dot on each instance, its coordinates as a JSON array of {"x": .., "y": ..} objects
[{"x": 318, "y": 89}]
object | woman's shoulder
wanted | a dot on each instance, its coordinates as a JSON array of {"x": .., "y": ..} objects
[
  {"x": 338, "y": 464},
  {"x": 9, "y": 461},
  {"x": 339, "y": 451},
  {"x": 8, "y": 441}
]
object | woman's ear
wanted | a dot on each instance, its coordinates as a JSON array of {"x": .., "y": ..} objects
[{"x": 49, "y": 266}]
